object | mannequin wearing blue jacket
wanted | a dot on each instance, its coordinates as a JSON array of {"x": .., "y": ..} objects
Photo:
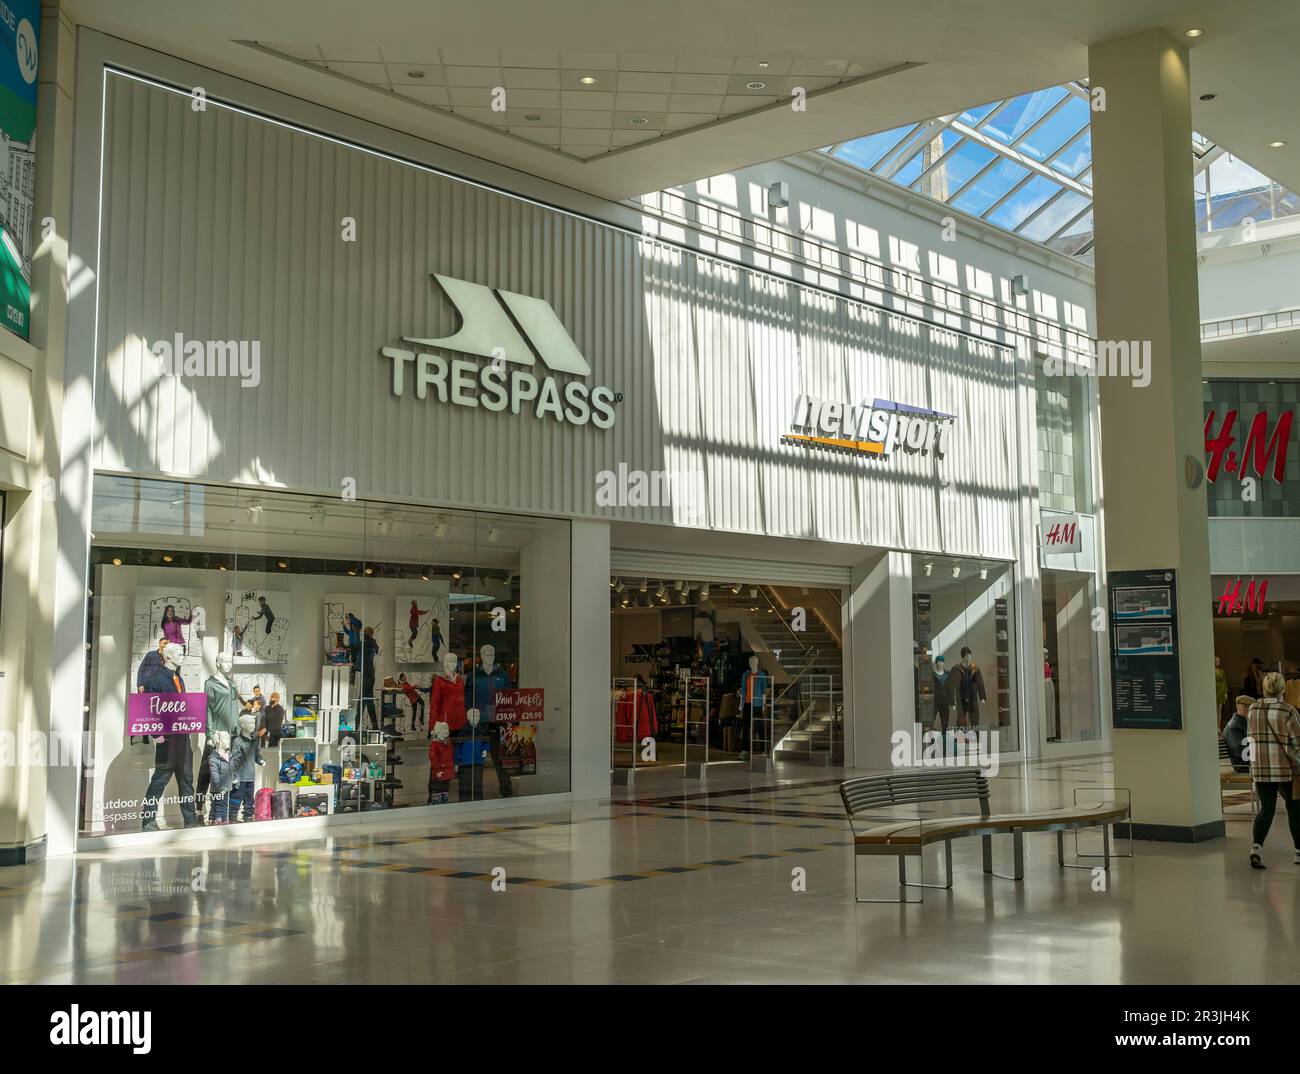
[{"x": 474, "y": 744}]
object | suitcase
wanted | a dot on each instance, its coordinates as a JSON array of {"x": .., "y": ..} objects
[
  {"x": 262, "y": 804},
  {"x": 281, "y": 805}
]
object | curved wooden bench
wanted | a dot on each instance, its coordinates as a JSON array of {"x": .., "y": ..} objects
[{"x": 904, "y": 837}]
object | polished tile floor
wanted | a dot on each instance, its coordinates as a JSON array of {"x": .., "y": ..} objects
[{"x": 679, "y": 883}]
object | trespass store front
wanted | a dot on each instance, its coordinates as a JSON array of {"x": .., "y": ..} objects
[{"x": 365, "y": 422}]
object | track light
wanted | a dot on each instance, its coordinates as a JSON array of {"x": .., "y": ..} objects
[
  {"x": 704, "y": 591},
  {"x": 735, "y": 587},
  {"x": 384, "y": 522},
  {"x": 254, "y": 510},
  {"x": 679, "y": 585},
  {"x": 316, "y": 514},
  {"x": 984, "y": 574},
  {"x": 660, "y": 591},
  {"x": 619, "y": 586},
  {"x": 644, "y": 584},
  {"x": 440, "y": 529},
  {"x": 753, "y": 592},
  {"x": 956, "y": 570},
  {"x": 929, "y": 569},
  {"x": 492, "y": 534}
]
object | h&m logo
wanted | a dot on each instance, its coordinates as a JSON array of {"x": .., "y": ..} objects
[
  {"x": 1259, "y": 450},
  {"x": 1230, "y": 603},
  {"x": 511, "y": 329}
]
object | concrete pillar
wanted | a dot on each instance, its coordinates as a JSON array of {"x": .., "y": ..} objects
[
  {"x": 880, "y": 686},
  {"x": 589, "y": 617},
  {"x": 31, "y": 555},
  {"x": 1146, "y": 287}
]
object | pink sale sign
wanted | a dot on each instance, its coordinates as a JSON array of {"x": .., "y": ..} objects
[{"x": 166, "y": 714}]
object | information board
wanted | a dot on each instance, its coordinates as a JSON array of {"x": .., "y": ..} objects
[{"x": 1144, "y": 680}]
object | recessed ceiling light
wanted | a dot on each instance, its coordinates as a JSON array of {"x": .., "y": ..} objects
[
  {"x": 414, "y": 74},
  {"x": 1207, "y": 96},
  {"x": 283, "y": 565},
  {"x": 532, "y": 117},
  {"x": 588, "y": 80},
  {"x": 116, "y": 562},
  {"x": 639, "y": 120},
  {"x": 762, "y": 65},
  {"x": 1276, "y": 145},
  {"x": 755, "y": 85},
  {"x": 1193, "y": 33},
  {"x": 167, "y": 559}
]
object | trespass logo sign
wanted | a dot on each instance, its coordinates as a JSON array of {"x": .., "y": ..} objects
[
  {"x": 516, "y": 332},
  {"x": 878, "y": 430}
]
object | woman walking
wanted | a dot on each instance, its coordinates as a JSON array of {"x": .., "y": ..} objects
[{"x": 1273, "y": 730}]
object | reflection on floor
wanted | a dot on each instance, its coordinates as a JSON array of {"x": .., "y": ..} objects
[{"x": 678, "y": 883}]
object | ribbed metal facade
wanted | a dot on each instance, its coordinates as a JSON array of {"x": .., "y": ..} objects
[{"x": 224, "y": 226}]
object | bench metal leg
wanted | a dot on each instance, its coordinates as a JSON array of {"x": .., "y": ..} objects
[
  {"x": 947, "y": 855},
  {"x": 902, "y": 886},
  {"x": 1017, "y": 851},
  {"x": 1105, "y": 854}
]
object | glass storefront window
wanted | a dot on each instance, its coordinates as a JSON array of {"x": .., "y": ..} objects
[
  {"x": 964, "y": 644},
  {"x": 335, "y": 656}
]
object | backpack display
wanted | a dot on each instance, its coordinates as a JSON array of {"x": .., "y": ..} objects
[
  {"x": 262, "y": 804},
  {"x": 281, "y": 805}
]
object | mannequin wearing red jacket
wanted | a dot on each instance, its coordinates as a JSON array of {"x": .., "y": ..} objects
[
  {"x": 446, "y": 715},
  {"x": 447, "y": 696}
]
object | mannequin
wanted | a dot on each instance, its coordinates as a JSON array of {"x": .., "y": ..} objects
[
  {"x": 480, "y": 701},
  {"x": 970, "y": 687},
  {"x": 447, "y": 697},
  {"x": 441, "y": 763},
  {"x": 172, "y": 756},
  {"x": 223, "y": 715},
  {"x": 942, "y": 696},
  {"x": 753, "y": 687},
  {"x": 220, "y": 776}
]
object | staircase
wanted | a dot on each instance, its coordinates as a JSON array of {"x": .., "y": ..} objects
[{"x": 809, "y": 703}]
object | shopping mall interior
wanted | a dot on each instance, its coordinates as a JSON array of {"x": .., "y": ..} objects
[{"x": 550, "y": 494}]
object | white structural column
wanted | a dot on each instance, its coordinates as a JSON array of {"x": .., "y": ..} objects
[
  {"x": 589, "y": 656},
  {"x": 1147, "y": 291},
  {"x": 880, "y": 689}
]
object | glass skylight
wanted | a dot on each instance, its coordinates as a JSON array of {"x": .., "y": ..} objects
[{"x": 1024, "y": 164}]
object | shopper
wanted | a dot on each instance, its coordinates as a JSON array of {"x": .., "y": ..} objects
[
  {"x": 272, "y": 721},
  {"x": 1253, "y": 683},
  {"x": 1234, "y": 734},
  {"x": 1273, "y": 730}
]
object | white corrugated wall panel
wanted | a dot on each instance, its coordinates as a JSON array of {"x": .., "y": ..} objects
[{"x": 220, "y": 225}]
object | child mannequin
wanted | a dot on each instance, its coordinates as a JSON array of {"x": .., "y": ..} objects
[
  {"x": 243, "y": 768},
  {"x": 219, "y": 771}
]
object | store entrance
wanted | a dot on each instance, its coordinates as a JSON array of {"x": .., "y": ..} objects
[
  {"x": 1071, "y": 703},
  {"x": 718, "y": 671}
]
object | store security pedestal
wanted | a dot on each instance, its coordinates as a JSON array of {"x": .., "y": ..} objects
[
  {"x": 696, "y": 770},
  {"x": 761, "y": 764},
  {"x": 623, "y": 777}
]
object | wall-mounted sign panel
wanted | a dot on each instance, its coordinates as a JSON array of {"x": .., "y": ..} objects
[{"x": 1144, "y": 677}]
